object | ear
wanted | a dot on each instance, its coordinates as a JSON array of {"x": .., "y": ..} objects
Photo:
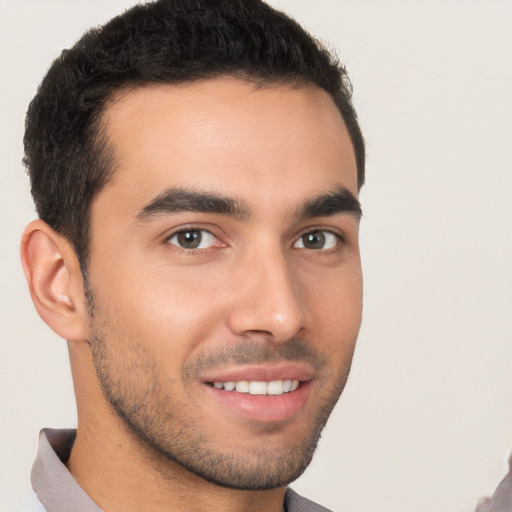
[{"x": 54, "y": 280}]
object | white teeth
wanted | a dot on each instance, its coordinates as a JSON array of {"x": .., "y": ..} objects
[
  {"x": 242, "y": 386},
  {"x": 257, "y": 388},
  {"x": 275, "y": 387}
]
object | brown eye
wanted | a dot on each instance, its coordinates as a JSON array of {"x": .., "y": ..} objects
[
  {"x": 193, "y": 239},
  {"x": 317, "y": 240}
]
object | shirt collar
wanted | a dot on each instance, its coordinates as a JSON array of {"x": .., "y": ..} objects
[{"x": 54, "y": 485}]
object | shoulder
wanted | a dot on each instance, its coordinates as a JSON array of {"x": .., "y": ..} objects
[
  {"x": 501, "y": 500},
  {"x": 296, "y": 503}
]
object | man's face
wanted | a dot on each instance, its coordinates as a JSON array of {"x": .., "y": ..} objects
[{"x": 225, "y": 255}]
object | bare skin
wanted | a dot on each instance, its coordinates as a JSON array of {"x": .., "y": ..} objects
[{"x": 263, "y": 286}]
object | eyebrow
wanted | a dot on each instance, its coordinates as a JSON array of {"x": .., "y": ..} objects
[
  {"x": 177, "y": 199},
  {"x": 338, "y": 201}
]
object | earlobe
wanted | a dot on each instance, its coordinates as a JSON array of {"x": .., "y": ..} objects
[{"x": 54, "y": 280}]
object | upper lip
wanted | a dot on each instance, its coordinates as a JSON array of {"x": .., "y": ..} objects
[{"x": 261, "y": 372}]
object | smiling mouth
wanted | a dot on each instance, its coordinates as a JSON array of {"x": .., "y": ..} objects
[{"x": 273, "y": 388}]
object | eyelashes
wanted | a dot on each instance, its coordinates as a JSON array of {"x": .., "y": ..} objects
[
  {"x": 193, "y": 239},
  {"x": 198, "y": 239},
  {"x": 319, "y": 239}
]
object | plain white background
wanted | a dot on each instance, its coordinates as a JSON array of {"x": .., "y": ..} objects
[{"x": 425, "y": 422}]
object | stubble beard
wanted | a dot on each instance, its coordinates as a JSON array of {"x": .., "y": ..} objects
[{"x": 162, "y": 425}]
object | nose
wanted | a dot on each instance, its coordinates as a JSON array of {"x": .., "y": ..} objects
[{"x": 268, "y": 299}]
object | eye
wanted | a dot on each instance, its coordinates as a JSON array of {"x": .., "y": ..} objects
[
  {"x": 193, "y": 239},
  {"x": 317, "y": 240}
]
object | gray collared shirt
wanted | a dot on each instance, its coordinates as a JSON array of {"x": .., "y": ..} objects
[
  {"x": 58, "y": 491},
  {"x": 501, "y": 500}
]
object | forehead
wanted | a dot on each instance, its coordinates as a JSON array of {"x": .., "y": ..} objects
[{"x": 228, "y": 136}]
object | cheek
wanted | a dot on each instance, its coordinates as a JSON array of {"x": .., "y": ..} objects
[
  {"x": 171, "y": 310},
  {"x": 336, "y": 304}
]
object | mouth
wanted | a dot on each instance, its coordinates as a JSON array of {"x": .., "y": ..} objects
[
  {"x": 263, "y": 394},
  {"x": 258, "y": 387}
]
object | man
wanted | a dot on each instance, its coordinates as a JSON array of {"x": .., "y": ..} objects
[{"x": 195, "y": 166}]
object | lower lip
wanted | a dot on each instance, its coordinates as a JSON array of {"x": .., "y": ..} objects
[{"x": 263, "y": 408}]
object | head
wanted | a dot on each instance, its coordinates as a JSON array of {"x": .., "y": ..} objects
[{"x": 198, "y": 165}]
